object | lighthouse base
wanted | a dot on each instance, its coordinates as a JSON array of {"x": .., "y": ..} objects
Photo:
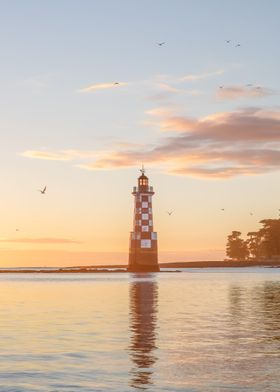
[
  {"x": 143, "y": 268},
  {"x": 142, "y": 261}
]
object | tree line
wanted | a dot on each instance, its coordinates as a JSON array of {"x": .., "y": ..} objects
[{"x": 263, "y": 244}]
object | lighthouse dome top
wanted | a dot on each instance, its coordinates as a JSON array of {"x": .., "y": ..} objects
[
  {"x": 143, "y": 177},
  {"x": 143, "y": 180}
]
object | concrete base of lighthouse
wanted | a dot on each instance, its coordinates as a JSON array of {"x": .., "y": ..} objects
[{"x": 143, "y": 261}]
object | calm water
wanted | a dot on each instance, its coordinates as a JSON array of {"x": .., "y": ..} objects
[{"x": 199, "y": 330}]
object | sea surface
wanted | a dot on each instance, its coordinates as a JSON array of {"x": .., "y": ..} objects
[{"x": 207, "y": 330}]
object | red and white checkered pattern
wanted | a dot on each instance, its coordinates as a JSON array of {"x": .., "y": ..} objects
[{"x": 143, "y": 232}]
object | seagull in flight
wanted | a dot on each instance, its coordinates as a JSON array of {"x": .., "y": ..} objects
[
  {"x": 237, "y": 45},
  {"x": 43, "y": 191},
  {"x": 169, "y": 212},
  {"x": 160, "y": 43}
]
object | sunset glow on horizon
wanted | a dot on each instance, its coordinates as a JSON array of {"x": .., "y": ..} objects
[{"x": 89, "y": 93}]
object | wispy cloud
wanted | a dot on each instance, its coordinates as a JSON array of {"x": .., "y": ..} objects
[
  {"x": 237, "y": 92},
  {"x": 64, "y": 155},
  {"x": 170, "y": 79},
  {"x": 102, "y": 86},
  {"x": 170, "y": 85},
  {"x": 52, "y": 156},
  {"x": 161, "y": 111},
  {"x": 203, "y": 75},
  {"x": 110, "y": 160},
  {"x": 167, "y": 87},
  {"x": 166, "y": 84},
  {"x": 40, "y": 240}
]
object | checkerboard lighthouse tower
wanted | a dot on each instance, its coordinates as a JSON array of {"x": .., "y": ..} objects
[{"x": 143, "y": 253}]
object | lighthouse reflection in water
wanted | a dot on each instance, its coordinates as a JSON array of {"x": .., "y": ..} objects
[{"x": 143, "y": 326}]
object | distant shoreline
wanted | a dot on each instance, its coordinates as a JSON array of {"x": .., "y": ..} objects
[
  {"x": 220, "y": 264},
  {"x": 122, "y": 268}
]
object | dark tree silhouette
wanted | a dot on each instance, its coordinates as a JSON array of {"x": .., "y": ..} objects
[
  {"x": 261, "y": 244},
  {"x": 236, "y": 247},
  {"x": 270, "y": 237},
  {"x": 254, "y": 244}
]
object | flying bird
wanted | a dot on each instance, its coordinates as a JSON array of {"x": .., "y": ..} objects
[
  {"x": 43, "y": 191},
  {"x": 227, "y": 41},
  {"x": 237, "y": 45},
  {"x": 116, "y": 83},
  {"x": 169, "y": 212},
  {"x": 222, "y": 209},
  {"x": 251, "y": 213},
  {"x": 221, "y": 86},
  {"x": 249, "y": 85},
  {"x": 160, "y": 43}
]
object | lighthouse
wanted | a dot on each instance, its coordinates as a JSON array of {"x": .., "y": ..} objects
[{"x": 143, "y": 253}]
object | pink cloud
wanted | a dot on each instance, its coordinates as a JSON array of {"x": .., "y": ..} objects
[
  {"x": 245, "y": 142},
  {"x": 237, "y": 92},
  {"x": 219, "y": 172},
  {"x": 221, "y": 145}
]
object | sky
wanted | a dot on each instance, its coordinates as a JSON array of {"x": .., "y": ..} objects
[{"x": 88, "y": 95}]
